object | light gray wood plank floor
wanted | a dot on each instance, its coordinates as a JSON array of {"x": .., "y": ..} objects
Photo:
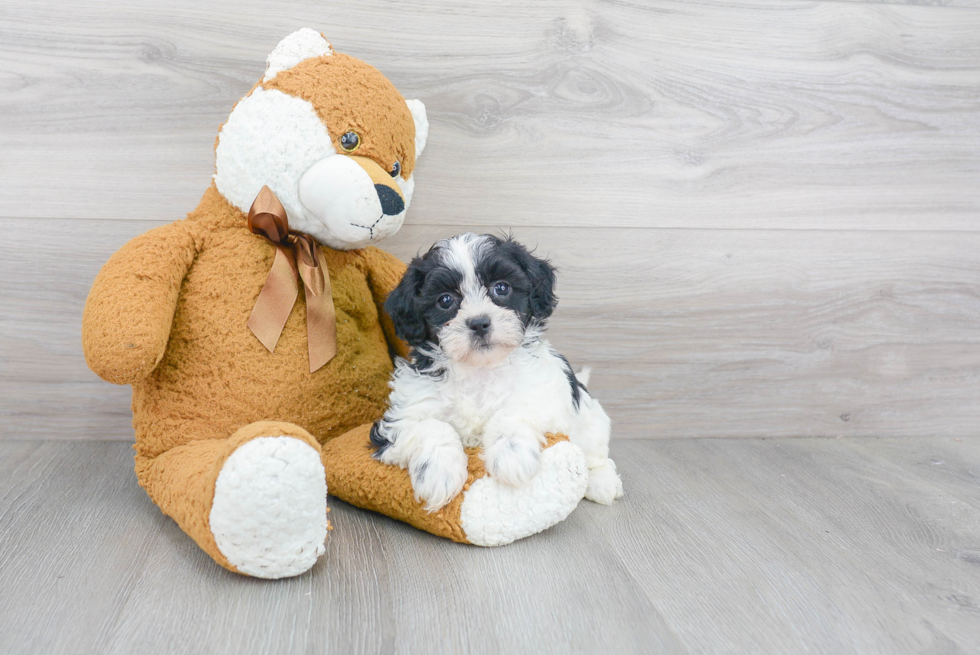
[{"x": 721, "y": 546}]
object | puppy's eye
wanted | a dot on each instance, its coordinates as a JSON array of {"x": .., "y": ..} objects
[
  {"x": 501, "y": 289},
  {"x": 395, "y": 170},
  {"x": 446, "y": 301},
  {"x": 349, "y": 141}
]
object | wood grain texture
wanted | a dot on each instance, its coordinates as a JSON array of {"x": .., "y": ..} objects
[
  {"x": 720, "y": 546},
  {"x": 927, "y": 3},
  {"x": 825, "y": 153},
  {"x": 691, "y": 332},
  {"x": 861, "y": 551},
  {"x": 751, "y": 114}
]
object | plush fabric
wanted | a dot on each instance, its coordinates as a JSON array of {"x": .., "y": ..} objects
[
  {"x": 339, "y": 103},
  {"x": 269, "y": 511},
  {"x": 181, "y": 480},
  {"x": 496, "y": 518},
  {"x": 167, "y": 314}
]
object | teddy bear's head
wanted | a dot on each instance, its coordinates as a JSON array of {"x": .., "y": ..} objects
[{"x": 331, "y": 136}]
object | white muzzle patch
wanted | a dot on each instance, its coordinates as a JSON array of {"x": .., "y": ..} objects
[{"x": 464, "y": 341}]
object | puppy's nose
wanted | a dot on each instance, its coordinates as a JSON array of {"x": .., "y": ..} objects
[
  {"x": 479, "y": 324},
  {"x": 391, "y": 203}
]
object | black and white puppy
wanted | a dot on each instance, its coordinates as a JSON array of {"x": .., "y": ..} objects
[{"x": 473, "y": 309}]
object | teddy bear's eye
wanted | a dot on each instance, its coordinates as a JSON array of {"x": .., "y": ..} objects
[
  {"x": 395, "y": 170},
  {"x": 349, "y": 141}
]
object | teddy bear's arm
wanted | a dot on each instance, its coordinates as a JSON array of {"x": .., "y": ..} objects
[
  {"x": 128, "y": 315},
  {"x": 384, "y": 273}
]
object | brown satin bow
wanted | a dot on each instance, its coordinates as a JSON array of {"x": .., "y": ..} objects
[{"x": 296, "y": 257}]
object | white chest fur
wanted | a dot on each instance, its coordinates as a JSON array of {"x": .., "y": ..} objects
[
  {"x": 531, "y": 383},
  {"x": 473, "y": 395},
  {"x": 505, "y": 410}
]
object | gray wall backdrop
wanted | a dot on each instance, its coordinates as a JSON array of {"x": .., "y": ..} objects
[{"x": 765, "y": 213}]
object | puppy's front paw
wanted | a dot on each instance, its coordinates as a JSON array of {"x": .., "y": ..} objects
[
  {"x": 604, "y": 484},
  {"x": 513, "y": 461},
  {"x": 438, "y": 475}
]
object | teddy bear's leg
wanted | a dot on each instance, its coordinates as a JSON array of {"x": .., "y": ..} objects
[
  {"x": 255, "y": 502},
  {"x": 486, "y": 513}
]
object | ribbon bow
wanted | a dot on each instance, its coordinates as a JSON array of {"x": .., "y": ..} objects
[{"x": 297, "y": 256}]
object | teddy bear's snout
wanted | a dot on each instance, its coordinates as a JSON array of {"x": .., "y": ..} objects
[
  {"x": 392, "y": 204},
  {"x": 351, "y": 201}
]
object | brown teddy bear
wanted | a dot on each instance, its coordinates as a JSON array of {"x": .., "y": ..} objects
[{"x": 253, "y": 334}]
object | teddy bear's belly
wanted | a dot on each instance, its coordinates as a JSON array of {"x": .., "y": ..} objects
[{"x": 216, "y": 377}]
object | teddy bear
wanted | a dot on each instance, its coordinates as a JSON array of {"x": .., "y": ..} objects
[{"x": 254, "y": 336}]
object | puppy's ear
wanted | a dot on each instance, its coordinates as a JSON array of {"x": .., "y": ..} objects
[
  {"x": 402, "y": 305},
  {"x": 543, "y": 298},
  {"x": 542, "y": 277}
]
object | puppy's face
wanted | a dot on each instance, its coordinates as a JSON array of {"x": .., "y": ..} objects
[{"x": 474, "y": 297}]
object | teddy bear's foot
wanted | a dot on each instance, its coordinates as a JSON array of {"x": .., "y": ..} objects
[
  {"x": 494, "y": 514},
  {"x": 256, "y": 502},
  {"x": 486, "y": 513},
  {"x": 269, "y": 513}
]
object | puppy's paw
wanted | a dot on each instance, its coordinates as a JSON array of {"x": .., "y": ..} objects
[
  {"x": 604, "y": 484},
  {"x": 438, "y": 475},
  {"x": 388, "y": 456},
  {"x": 513, "y": 461}
]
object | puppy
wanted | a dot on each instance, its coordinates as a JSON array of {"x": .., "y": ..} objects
[{"x": 473, "y": 309}]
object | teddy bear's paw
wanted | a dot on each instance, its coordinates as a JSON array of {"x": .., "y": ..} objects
[
  {"x": 494, "y": 514},
  {"x": 269, "y": 513},
  {"x": 438, "y": 475},
  {"x": 604, "y": 484}
]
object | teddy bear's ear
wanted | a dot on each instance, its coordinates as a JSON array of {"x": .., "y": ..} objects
[
  {"x": 421, "y": 124},
  {"x": 298, "y": 46}
]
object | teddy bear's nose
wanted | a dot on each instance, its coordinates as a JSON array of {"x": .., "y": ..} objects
[{"x": 391, "y": 203}]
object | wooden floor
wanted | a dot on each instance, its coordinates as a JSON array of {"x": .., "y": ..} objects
[{"x": 721, "y": 546}]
